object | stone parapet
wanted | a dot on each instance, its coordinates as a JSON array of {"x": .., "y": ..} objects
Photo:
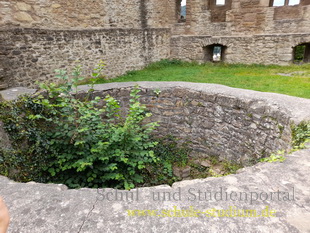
[{"x": 234, "y": 124}]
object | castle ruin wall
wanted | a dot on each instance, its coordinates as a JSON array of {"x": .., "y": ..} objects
[
  {"x": 37, "y": 37},
  {"x": 30, "y": 55}
]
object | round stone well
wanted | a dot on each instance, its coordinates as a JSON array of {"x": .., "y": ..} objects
[{"x": 233, "y": 124}]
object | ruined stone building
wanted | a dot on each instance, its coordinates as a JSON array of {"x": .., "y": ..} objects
[{"x": 39, "y": 36}]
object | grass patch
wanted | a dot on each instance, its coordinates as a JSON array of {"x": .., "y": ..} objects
[{"x": 291, "y": 80}]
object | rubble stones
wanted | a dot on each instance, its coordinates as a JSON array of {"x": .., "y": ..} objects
[{"x": 182, "y": 172}]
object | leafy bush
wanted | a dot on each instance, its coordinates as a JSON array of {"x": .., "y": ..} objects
[
  {"x": 169, "y": 150},
  {"x": 73, "y": 141},
  {"x": 299, "y": 53},
  {"x": 31, "y": 146},
  {"x": 110, "y": 152},
  {"x": 300, "y": 134},
  {"x": 169, "y": 153},
  {"x": 277, "y": 157}
]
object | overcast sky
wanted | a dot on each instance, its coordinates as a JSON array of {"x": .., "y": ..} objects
[
  {"x": 276, "y": 2},
  {"x": 281, "y": 2}
]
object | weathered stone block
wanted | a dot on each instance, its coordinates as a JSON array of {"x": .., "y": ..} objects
[
  {"x": 205, "y": 163},
  {"x": 23, "y": 6},
  {"x": 182, "y": 172},
  {"x": 4, "y": 138},
  {"x": 23, "y": 17},
  {"x": 3, "y": 86},
  {"x": 56, "y": 6}
]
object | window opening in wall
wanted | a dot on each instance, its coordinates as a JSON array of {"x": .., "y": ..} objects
[
  {"x": 302, "y": 53},
  {"x": 278, "y": 2},
  {"x": 182, "y": 11},
  {"x": 284, "y": 2},
  {"x": 214, "y": 53},
  {"x": 220, "y": 2},
  {"x": 217, "y": 53},
  {"x": 293, "y": 2}
]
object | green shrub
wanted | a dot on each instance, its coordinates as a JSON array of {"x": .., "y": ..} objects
[
  {"x": 299, "y": 53},
  {"x": 275, "y": 157},
  {"x": 169, "y": 150},
  {"x": 73, "y": 141},
  {"x": 300, "y": 134},
  {"x": 169, "y": 153},
  {"x": 24, "y": 162},
  {"x": 90, "y": 152}
]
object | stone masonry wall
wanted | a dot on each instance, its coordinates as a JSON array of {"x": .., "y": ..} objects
[
  {"x": 29, "y": 55},
  {"x": 260, "y": 49},
  {"x": 37, "y": 37},
  {"x": 246, "y": 17},
  {"x": 72, "y": 14},
  {"x": 252, "y": 31},
  {"x": 66, "y": 14},
  {"x": 228, "y": 126}
]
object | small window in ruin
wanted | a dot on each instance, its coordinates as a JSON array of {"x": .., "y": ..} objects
[
  {"x": 217, "y": 53},
  {"x": 181, "y": 10},
  {"x": 293, "y": 2},
  {"x": 302, "y": 53},
  {"x": 278, "y": 3},
  {"x": 214, "y": 53},
  {"x": 220, "y": 2},
  {"x": 284, "y": 2}
]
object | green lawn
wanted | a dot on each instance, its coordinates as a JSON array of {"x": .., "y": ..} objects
[{"x": 254, "y": 77}]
